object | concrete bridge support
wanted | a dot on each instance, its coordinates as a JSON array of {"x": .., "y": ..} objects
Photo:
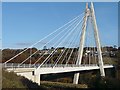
[{"x": 37, "y": 79}]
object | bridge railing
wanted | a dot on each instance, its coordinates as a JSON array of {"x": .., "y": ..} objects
[
  {"x": 64, "y": 65},
  {"x": 17, "y": 65}
]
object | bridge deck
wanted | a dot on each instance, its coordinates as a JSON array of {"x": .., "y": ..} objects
[
  {"x": 50, "y": 70},
  {"x": 67, "y": 69}
]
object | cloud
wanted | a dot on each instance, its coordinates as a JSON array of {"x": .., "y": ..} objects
[
  {"x": 23, "y": 44},
  {"x": 29, "y": 44}
]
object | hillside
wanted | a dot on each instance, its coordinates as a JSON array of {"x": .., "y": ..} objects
[
  {"x": 11, "y": 81},
  {"x": 88, "y": 79}
]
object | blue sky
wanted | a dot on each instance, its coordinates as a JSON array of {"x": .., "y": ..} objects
[{"x": 25, "y": 23}]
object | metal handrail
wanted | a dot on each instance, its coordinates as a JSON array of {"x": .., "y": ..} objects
[{"x": 15, "y": 65}]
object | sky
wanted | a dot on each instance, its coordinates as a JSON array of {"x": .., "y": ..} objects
[{"x": 25, "y": 23}]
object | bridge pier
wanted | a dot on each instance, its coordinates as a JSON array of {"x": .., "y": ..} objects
[
  {"x": 76, "y": 78},
  {"x": 37, "y": 79}
]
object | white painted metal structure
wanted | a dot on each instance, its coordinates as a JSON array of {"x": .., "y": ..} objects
[
  {"x": 90, "y": 12},
  {"x": 33, "y": 71},
  {"x": 82, "y": 40}
]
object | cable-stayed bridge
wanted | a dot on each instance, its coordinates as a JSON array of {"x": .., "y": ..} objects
[{"x": 81, "y": 50}]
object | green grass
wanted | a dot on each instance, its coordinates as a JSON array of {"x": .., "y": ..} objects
[
  {"x": 11, "y": 80},
  {"x": 109, "y": 60},
  {"x": 62, "y": 85}
]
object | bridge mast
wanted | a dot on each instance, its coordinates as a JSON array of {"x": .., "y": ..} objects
[
  {"x": 96, "y": 35},
  {"x": 97, "y": 40},
  {"x": 82, "y": 39}
]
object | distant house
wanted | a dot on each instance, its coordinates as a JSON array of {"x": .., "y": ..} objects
[
  {"x": 112, "y": 54},
  {"x": 45, "y": 51},
  {"x": 49, "y": 51}
]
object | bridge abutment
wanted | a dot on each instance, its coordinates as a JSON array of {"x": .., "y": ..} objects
[{"x": 37, "y": 79}]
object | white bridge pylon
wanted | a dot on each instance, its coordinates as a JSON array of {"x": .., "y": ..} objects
[
  {"x": 89, "y": 13},
  {"x": 76, "y": 55}
]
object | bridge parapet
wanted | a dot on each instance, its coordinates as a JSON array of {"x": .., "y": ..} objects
[{"x": 17, "y": 65}]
